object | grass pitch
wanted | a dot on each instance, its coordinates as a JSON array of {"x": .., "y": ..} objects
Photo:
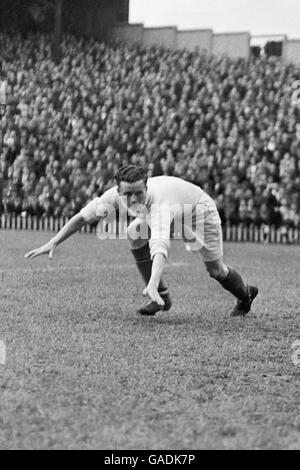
[{"x": 84, "y": 371}]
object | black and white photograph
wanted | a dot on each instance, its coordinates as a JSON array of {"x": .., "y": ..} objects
[{"x": 150, "y": 227}]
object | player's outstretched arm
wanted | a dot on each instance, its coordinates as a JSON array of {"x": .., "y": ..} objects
[
  {"x": 151, "y": 290},
  {"x": 71, "y": 227}
]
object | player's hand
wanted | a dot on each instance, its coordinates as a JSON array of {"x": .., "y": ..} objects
[
  {"x": 152, "y": 292},
  {"x": 48, "y": 248}
]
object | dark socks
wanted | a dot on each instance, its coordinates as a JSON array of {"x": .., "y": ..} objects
[
  {"x": 144, "y": 265},
  {"x": 235, "y": 284}
]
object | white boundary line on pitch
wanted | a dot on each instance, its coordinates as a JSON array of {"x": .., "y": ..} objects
[{"x": 86, "y": 267}]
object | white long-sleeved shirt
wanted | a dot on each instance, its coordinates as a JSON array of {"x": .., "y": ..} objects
[{"x": 168, "y": 198}]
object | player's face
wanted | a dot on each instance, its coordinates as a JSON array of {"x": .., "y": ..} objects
[{"x": 134, "y": 193}]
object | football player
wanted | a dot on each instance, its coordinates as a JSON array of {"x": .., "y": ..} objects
[{"x": 155, "y": 203}]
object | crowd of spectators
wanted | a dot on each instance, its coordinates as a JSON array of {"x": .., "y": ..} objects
[{"x": 227, "y": 125}]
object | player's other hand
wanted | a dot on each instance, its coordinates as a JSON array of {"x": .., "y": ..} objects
[
  {"x": 152, "y": 292},
  {"x": 48, "y": 248}
]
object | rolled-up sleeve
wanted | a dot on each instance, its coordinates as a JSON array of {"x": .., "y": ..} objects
[
  {"x": 89, "y": 211},
  {"x": 100, "y": 207}
]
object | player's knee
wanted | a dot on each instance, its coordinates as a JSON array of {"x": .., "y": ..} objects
[
  {"x": 134, "y": 240},
  {"x": 131, "y": 235},
  {"x": 137, "y": 235},
  {"x": 133, "y": 243}
]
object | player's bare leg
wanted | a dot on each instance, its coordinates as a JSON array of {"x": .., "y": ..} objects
[
  {"x": 232, "y": 281},
  {"x": 141, "y": 252}
]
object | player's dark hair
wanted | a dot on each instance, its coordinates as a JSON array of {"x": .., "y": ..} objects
[{"x": 130, "y": 174}]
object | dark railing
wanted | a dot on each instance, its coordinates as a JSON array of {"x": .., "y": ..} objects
[
  {"x": 28, "y": 222},
  {"x": 231, "y": 233},
  {"x": 261, "y": 234}
]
